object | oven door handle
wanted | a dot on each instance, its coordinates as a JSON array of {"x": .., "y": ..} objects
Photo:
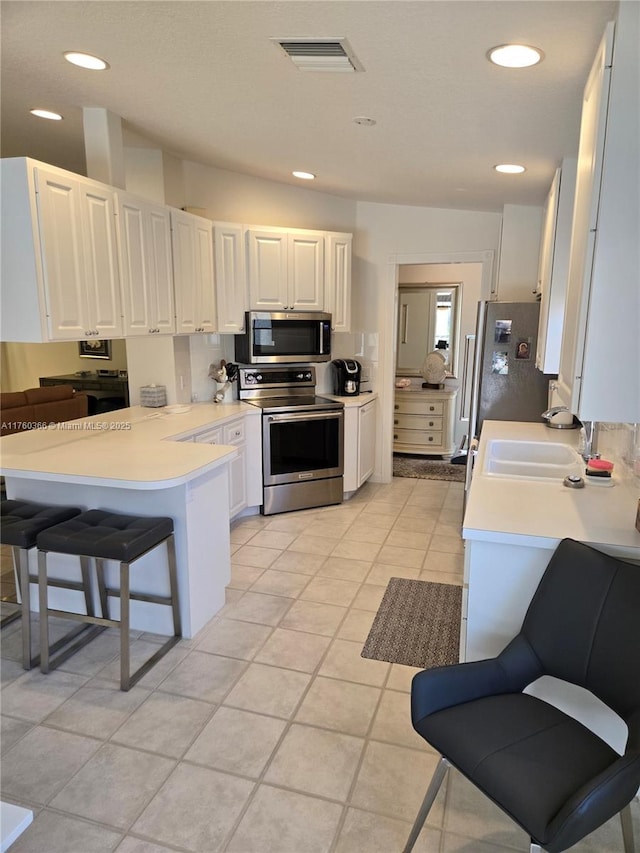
[{"x": 305, "y": 416}]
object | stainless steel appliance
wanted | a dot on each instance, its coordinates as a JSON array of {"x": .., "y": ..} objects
[
  {"x": 284, "y": 337},
  {"x": 346, "y": 377},
  {"x": 302, "y": 438},
  {"x": 506, "y": 385}
]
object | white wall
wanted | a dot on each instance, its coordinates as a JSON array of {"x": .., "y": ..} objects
[{"x": 388, "y": 235}]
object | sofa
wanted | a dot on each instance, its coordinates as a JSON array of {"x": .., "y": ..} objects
[{"x": 37, "y": 407}]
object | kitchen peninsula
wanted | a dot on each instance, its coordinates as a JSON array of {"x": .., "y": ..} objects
[{"x": 142, "y": 461}]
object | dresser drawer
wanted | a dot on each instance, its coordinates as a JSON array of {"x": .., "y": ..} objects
[
  {"x": 419, "y": 407},
  {"x": 417, "y": 422},
  {"x": 419, "y": 438}
]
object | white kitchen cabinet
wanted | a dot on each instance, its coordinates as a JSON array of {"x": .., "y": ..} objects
[
  {"x": 553, "y": 269},
  {"x": 144, "y": 244},
  {"x": 245, "y": 471},
  {"x": 359, "y": 442},
  {"x": 230, "y": 277},
  {"x": 600, "y": 354},
  {"x": 337, "y": 294},
  {"x": 193, "y": 277},
  {"x": 59, "y": 259},
  {"x": 423, "y": 422},
  {"x": 286, "y": 269}
]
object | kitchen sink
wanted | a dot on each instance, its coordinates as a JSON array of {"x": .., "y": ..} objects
[{"x": 537, "y": 460}]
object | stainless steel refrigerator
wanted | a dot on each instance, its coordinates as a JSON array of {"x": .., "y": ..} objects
[{"x": 506, "y": 385}]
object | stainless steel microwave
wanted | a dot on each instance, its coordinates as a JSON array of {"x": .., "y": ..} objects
[{"x": 281, "y": 337}]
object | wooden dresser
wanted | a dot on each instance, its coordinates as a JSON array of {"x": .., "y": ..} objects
[{"x": 423, "y": 421}]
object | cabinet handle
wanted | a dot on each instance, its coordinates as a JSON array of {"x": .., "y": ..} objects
[
  {"x": 396, "y": 407},
  {"x": 432, "y": 408},
  {"x": 396, "y": 423},
  {"x": 395, "y": 436},
  {"x": 430, "y": 438},
  {"x": 431, "y": 423}
]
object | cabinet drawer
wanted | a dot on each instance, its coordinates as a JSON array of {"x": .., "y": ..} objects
[
  {"x": 209, "y": 436},
  {"x": 417, "y": 422},
  {"x": 419, "y": 407},
  {"x": 234, "y": 433},
  {"x": 417, "y": 437}
]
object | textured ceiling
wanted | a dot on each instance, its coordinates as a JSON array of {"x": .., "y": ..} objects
[{"x": 204, "y": 81}]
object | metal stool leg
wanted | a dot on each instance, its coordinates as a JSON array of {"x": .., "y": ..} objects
[
  {"x": 44, "y": 611},
  {"x": 173, "y": 586},
  {"x": 102, "y": 588},
  {"x": 11, "y": 617},
  {"x": 125, "y": 660},
  {"x": 627, "y": 829},
  {"x": 21, "y": 557}
]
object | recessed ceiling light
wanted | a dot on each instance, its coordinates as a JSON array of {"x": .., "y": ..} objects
[
  {"x": 306, "y": 176},
  {"x": 86, "y": 60},
  {"x": 46, "y": 114},
  {"x": 515, "y": 55},
  {"x": 365, "y": 121},
  {"x": 509, "y": 168}
]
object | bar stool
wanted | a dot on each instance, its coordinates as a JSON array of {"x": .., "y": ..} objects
[
  {"x": 104, "y": 535},
  {"x": 21, "y": 522}
]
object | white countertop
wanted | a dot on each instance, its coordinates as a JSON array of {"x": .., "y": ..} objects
[
  {"x": 129, "y": 448},
  {"x": 540, "y": 513},
  {"x": 356, "y": 400}
]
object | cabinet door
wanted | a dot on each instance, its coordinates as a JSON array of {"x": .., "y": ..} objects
[
  {"x": 230, "y": 278},
  {"x": 585, "y": 220},
  {"x": 59, "y": 219},
  {"x": 367, "y": 441},
  {"x": 268, "y": 269},
  {"x": 144, "y": 243},
  {"x": 192, "y": 243},
  {"x": 101, "y": 261},
  {"x": 306, "y": 271},
  {"x": 337, "y": 294}
]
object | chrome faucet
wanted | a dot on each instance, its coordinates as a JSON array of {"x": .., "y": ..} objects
[{"x": 588, "y": 432}]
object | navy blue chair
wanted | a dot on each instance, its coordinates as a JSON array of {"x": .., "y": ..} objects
[{"x": 555, "y": 778}]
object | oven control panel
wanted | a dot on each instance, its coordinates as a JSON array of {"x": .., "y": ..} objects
[{"x": 276, "y": 377}]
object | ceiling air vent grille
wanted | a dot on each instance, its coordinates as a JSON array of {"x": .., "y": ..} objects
[{"x": 331, "y": 54}]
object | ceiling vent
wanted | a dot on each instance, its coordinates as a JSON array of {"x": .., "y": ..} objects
[{"x": 329, "y": 54}]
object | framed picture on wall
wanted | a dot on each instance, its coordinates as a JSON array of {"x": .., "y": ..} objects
[{"x": 95, "y": 349}]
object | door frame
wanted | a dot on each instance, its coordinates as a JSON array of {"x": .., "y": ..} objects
[{"x": 388, "y": 343}]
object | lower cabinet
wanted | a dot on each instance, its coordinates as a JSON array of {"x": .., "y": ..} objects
[
  {"x": 359, "y": 444},
  {"x": 423, "y": 422},
  {"x": 232, "y": 433}
]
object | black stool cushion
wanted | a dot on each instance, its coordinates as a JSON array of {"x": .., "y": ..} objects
[
  {"x": 108, "y": 535},
  {"x": 21, "y": 521}
]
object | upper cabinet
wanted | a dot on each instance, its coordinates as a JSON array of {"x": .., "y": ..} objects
[
  {"x": 59, "y": 258},
  {"x": 337, "y": 287},
  {"x": 598, "y": 376},
  {"x": 230, "y": 277},
  {"x": 144, "y": 242},
  {"x": 193, "y": 277},
  {"x": 553, "y": 270},
  {"x": 286, "y": 269}
]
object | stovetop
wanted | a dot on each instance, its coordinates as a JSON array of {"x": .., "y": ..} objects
[{"x": 295, "y": 403}]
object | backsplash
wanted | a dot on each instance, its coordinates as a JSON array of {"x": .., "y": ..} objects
[{"x": 622, "y": 443}]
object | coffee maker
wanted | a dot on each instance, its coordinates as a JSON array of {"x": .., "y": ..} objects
[{"x": 346, "y": 377}]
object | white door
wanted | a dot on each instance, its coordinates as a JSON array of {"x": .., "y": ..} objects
[
  {"x": 101, "y": 261},
  {"x": 230, "y": 278},
  {"x": 306, "y": 271},
  {"x": 59, "y": 220},
  {"x": 585, "y": 220},
  {"x": 268, "y": 269},
  {"x": 337, "y": 294}
]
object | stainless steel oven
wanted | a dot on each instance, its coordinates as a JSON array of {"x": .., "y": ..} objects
[{"x": 302, "y": 438}]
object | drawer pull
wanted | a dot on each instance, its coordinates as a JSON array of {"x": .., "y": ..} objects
[
  {"x": 431, "y": 423},
  {"x": 430, "y": 438},
  {"x": 397, "y": 406},
  {"x": 432, "y": 408},
  {"x": 395, "y": 437},
  {"x": 396, "y": 422}
]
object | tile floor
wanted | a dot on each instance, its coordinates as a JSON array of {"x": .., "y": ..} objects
[{"x": 266, "y": 733}]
